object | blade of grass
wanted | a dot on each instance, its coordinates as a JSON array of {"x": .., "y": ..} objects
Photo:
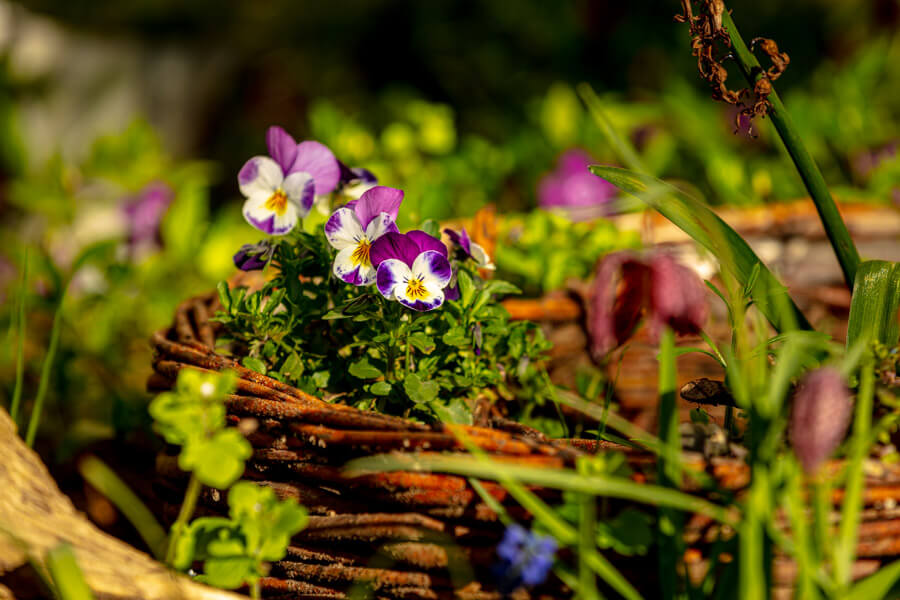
[
  {"x": 668, "y": 467},
  {"x": 105, "y": 481},
  {"x": 877, "y": 585},
  {"x": 20, "y": 349},
  {"x": 850, "y": 510},
  {"x": 706, "y": 228},
  {"x": 873, "y": 309},
  {"x": 46, "y": 369},
  {"x": 66, "y": 575},
  {"x": 625, "y": 152},
  {"x": 815, "y": 184}
]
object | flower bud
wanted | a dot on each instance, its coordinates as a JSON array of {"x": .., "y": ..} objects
[
  {"x": 253, "y": 257},
  {"x": 821, "y": 413},
  {"x": 678, "y": 297}
]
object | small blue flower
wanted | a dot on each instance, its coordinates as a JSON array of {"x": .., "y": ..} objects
[{"x": 525, "y": 558}]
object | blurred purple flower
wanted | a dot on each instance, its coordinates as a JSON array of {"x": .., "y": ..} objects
[
  {"x": 822, "y": 411},
  {"x": 867, "y": 161},
  {"x": 254, "y": 257},
  {"x": 627, "y": 287},
  {"x": 466, "y": 249},
  {"x": 525, "y": 558},
  {"x": 355, "y": 181},
  {"x": 571, "y": 185},
  {"x": 144, "y": 214}
]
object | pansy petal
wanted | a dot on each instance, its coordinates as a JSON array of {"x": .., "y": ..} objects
[
  {"x": 393, "y": 245},
  {"x": 342, "y": 229},
  {"x": 428, "y": 297},
  {"x": 391, "y": 273},
  {"x": 481, "y": 257},
  {"x": 432, "y": 268},
  {"x": 427, "y": 242},
  {"x": 379, "y": 199},
  {"x": 348, "y": 269},
  {"x": 257, "y": 214},
  {"x": 317, "y": 160},
  {"x": 259, "y": 174},
  {"x": 379, "y": 226},
  {"x": 282, "y": 147},
  {"x": 301, "y": 191}
]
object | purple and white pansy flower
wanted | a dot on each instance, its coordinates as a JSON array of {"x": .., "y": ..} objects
[
  {"x": 469, "y": 249},
  {"x": 282, "y": 187},
  {"x": 355, "y": 227},
  {"x": 412, "y": 269}
]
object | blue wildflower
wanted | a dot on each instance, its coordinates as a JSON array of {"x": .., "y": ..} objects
[{"x": 525, "y": 558}]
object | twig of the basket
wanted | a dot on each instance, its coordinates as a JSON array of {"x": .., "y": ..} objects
[{"x": 36, "y": 517}]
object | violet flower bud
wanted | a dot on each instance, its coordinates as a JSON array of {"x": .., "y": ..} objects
[
  {"x": 821, "y": 413},
  {"x": 254, "y": 257}
]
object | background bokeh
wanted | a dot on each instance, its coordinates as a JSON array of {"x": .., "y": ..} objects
[{"x": 156, "y": 104}]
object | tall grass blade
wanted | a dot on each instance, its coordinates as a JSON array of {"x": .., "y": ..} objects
[
  {"x": 878, "y": 585},
  {"x": 105, "y": 481},
  {"x": 876, "y": 299},
  {"x": 706, "y": 228},
  {"x": 46, "y": 370}
]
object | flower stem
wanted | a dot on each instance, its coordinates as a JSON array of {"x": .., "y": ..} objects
[
  {"x": 669, "y": 468},
  {"x": 191, "y": 495},
  {"x": 835, "y": 227},
  {"x": 20, "y": 353}
]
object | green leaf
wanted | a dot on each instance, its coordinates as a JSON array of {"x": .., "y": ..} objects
[
  {"x": 293, "y": 366},
  {"x": 224, "y": 295},
  {"x": 707, "y": 229},
  {"x": 876, "y": 298},
  {"x": 254, "y": 364},
  {"x": 498, "y": 287},
  {"x": 380, "y": 388},
  {"x": 879, "y": 584},
  {"x": 456, "y": 411},
  {"x": 457, "y": 337},
  {"x": 420, "y": 392},
  {"x": 422, "y": 342},
  {"x": 363, "y": 369},
  {"x": 216, "y": 461},
  {"x": 466, "y": 287}
]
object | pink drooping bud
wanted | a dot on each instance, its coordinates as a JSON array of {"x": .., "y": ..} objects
[
  {"x": 821, "y": 413},
  {"x": 626, "y": 287}
]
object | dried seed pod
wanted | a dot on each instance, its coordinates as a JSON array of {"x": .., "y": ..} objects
[{"x": 822, "y": 410}]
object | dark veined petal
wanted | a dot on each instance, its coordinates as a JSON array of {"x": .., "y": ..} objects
[
  {"x": 678, "y": 297},
  {"x": 821, "y": 413},
  {"x": 619, "y": 297}
]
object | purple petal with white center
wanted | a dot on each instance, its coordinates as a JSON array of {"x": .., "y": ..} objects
[
  {"x": 301, "y": 191},
  {"x": 259, "y": 174},
  {"x": 433, "y": 269},
  {"x": 317, "y": 160},
  {"x": 379, "y": 199},
  {"x": 391, "y": 274},
  {"x": 351, "y": 271},
  {"x": 393, "y": 245},
  {"x": 267, "y": 221},
  {"x": 431, "y": 302},
  {"x": 379, "y": 226},
  {"x": 282, "y": 147},
  {"x": 427, "y": 242},
  {"x": 343, "y": 229}
]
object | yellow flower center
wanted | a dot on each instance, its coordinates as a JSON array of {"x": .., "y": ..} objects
[
  {"x": 277, "y": 202},
  {"x": 360, "y": 255},
  {"x": 415, "y": 289}
]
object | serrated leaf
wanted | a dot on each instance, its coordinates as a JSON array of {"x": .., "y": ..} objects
[
  {"x": 363, "y": 369},
  {"x": 706, "y": 228}
]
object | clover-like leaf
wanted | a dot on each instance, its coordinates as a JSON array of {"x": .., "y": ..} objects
[
  {"x": 363, "y": 369},
  {"x": 216, "y": 461},
  {"x": 420, "y": 392}
]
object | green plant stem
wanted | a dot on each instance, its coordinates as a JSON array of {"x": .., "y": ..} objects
[
  {"x": 835, "y": 227},
  {"x": 668, "y": 468},
  {"x": 191, "y": 495},
  {"x": 255, "y": 592},
  {"x": 20, "y": 351},
  {"x": 850, "y": 511},
  {"x": 46, "y": 368},
  {"x": 105, "y": 480},
  {"x": 587, "y": 539}
]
